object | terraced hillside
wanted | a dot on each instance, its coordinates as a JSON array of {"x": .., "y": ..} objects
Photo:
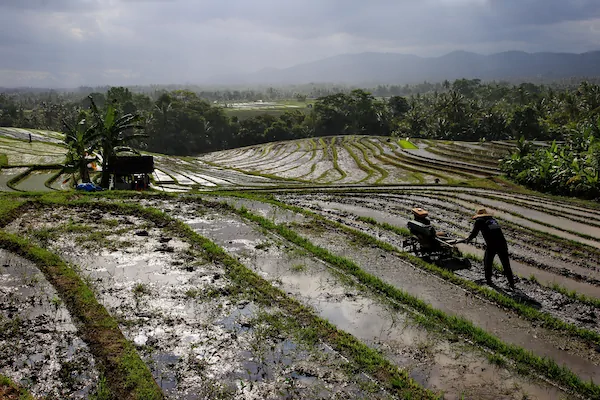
[
  {"x": 288, "y": 276},
  {"x": 37, "y": 166},
  {"x": 344, "y": 160},
  {"x": 339, "y": 161},
  {"x": 226, "y": 294}
]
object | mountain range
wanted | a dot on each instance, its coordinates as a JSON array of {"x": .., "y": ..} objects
[{"x": 394, "y": 68}]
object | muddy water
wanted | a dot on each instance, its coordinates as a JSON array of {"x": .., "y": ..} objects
[
  {"x": 39, "y": 345},
  {"x": 453, "y": 300},
  {"x": 546, "y": 299},
  {"x": 36, "y": 181},
  {"x": 382, "y": 214},
  {"x": 563, "y": 223},
  {"x": 7, "y": 174},
  {"x": 198, "y": 338},
  {"x": 433, "y": 362}
]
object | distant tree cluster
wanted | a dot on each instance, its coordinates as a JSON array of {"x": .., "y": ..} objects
[{"x": 185, "y": 122}]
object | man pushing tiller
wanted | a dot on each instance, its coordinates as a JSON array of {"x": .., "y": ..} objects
[{"x": 495, "y": 244}]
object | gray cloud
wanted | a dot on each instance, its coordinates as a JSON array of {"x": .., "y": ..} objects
[{"x": 88, "y": 42}]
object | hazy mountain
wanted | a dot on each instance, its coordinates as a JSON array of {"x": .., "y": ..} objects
[{"x": 374, "y": 68}]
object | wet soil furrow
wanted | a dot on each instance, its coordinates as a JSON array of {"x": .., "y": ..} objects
[
  {"x": 526, "y": 233},
  {"x": 449, "y": 218},
  {"x": 570, "y": 227},
  {"x": 463, "y": 169},
  {"x": 386, "y": 156},
  {"x": 269, "y": 153},
  {"x": 39, "y": 341},
  {"x": 361, "y": 315},
  {"x": 445, "y": 173},
  {"x": 203, "y": 335},
  {"x": 127, "y": 376},
  {"x": 555, "y": 304},
  {"x": 560, "y": 205},
  {"x": 453, "y": 300},
  {"x": 284, "y": 163},
  {"x": 278, "y": 154},
  {"x": 560, "y": 213},
  {"x": 348, "y": 145},
  {"x": 367, "y": 150},
  {"x": 449, "y": 298}
]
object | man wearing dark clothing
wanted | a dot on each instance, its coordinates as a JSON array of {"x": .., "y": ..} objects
[{"x": 495, "y": 244}]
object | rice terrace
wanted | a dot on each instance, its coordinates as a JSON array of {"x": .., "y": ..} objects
[{"x": 281, "y": 270}]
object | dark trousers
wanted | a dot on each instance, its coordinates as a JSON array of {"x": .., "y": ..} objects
[{"x": 488, "y": 261}]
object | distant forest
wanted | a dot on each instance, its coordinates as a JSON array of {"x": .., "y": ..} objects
[{"x": 186, "y": 122}]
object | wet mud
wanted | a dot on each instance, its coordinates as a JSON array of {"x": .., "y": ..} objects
[
  {"x": 201, "y": 336},
  {"x": 39, "y": 345},
  {"x": 347, "y": 210},
  {"x": 442, "y": 365}
]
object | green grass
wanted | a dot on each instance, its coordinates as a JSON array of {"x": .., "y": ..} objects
[
  {"x": 9, "y": 388},
  {"x": 127, "y": 375},
  {"x": 243, "y": 114},
  {"x": 544, "y": 366},
  {"x": 365, "y": 359},
  {"x": 9, "y": 208},
  {"x": 382, "y": 171},
  {"x": 280, "y": 108},
  {"x": 298, "y": 268},
  {"x": 405, "y": 144},
  {"x": 3, "y": 160}
]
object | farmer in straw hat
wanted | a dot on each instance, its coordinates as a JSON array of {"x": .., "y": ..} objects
[{"x": 495, "y": 244}]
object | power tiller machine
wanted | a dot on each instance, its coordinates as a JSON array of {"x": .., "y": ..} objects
[{"x": 431, "y": 246}]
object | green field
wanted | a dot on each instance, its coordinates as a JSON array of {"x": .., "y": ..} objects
[
  {"x": 277, "y": 109},
  {"x": 405, "y": 144}
]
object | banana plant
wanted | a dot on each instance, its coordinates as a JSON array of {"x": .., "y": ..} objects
[
  {"x": 81, "y": 140},
  {"x": 114, "y": 131}
]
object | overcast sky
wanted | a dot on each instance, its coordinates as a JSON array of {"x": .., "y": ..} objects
[{"x": 68, "y": 43}]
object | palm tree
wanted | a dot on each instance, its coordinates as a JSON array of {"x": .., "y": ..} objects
[
  {"x": 81, "y": 141},
  {"x": 114, "y": 131}
]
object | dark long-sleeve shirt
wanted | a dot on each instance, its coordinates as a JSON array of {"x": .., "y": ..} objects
[{"x": 491, "y": 231}]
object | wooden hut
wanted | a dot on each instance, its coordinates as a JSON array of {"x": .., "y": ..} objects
[{"x": 130, "y": 172}]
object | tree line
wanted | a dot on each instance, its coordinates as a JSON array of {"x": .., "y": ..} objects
[{"x": 181, "y": 122}]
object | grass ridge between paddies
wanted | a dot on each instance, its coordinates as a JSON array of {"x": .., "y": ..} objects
[
  {"x": 128, "y": 377},
  {"x": 524, "y": 359},
  {"x": 393, "y": 379}
]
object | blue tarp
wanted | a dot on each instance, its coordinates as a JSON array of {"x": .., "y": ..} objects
[{"x": 89, "y": 187}]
